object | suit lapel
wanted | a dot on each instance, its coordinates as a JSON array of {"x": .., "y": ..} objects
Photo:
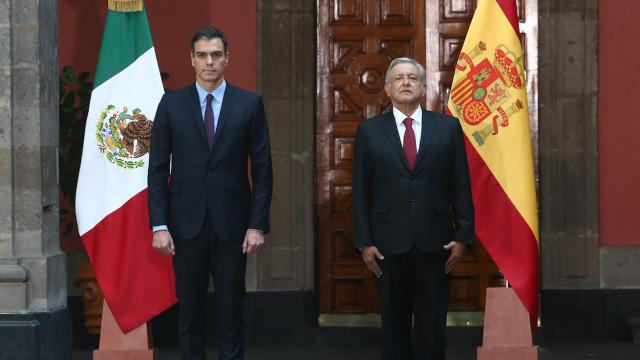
[
  {"x": 425, "y": 137},
  {"x": 390, "y": 130},
  {"x": 196, "y": 112},
  {"x": 227, "y": 105}
]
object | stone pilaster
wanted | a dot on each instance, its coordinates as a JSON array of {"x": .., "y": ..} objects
[
  {"x": 33, "y": 315},
  {"x": 568, "y": 143},
  {"x": 281, "y": 277},
  {"x": 286, "y": 81}
]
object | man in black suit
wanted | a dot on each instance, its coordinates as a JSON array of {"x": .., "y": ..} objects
[
  {"x": 202, "y": 207},
  {"x": 413, "y": 213}
]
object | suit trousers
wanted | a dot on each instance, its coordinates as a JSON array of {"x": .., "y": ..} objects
[
  {"x": 413, "y": 283},
  {"x": 194, "y": 260}
]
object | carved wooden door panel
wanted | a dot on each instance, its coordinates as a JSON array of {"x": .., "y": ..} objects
[{"x": 356, "y": 41}]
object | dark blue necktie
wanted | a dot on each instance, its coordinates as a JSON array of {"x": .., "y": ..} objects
[{"x": 208, "y": 121}]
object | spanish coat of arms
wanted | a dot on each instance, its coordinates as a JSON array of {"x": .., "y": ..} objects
[{"x": 485, "y": 89}]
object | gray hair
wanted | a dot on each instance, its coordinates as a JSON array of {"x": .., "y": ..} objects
[{"x": 405, "y": 60}]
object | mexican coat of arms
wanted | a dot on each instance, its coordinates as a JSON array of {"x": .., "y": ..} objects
[{"x": 123, "y": 137}]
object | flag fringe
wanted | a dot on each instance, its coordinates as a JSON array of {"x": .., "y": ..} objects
[{"x": 125, "y": 5}]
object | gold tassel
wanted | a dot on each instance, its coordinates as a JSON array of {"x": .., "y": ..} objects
[{"x": 125, "y": 5}]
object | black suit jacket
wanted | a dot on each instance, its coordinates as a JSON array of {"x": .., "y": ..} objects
[
  {"x": 215, "y": 180},
  {"x": 394, "y": 207}
]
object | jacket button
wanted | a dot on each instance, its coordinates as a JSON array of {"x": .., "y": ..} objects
[
  {"x": 413, "y": 202},
  {"x": 413, "y": 177}
]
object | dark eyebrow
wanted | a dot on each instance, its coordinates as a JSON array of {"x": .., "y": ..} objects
[{"x": 212, "y": 53}]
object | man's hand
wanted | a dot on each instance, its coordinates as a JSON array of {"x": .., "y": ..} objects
[
  {"x": 369, "y": 255},
  {"x": 163, "y": 242},
  {"x": 252, "y": 241},
  {"x": 457, "y": 250}
]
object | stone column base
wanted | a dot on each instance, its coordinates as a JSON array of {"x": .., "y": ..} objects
[
  {"x": 45, "y": 335},
  {"x": 507, "y": 353}
]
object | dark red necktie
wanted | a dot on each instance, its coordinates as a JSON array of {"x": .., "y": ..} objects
[
  {"x": 208, "y": 121},
  {"x": 409, "y": 143}
]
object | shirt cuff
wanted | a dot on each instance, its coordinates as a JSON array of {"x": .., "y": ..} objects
[{"x": 159, "y": 228}]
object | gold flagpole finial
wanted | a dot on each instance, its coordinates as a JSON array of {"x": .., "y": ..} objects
[{"x": 125, "y": 5}]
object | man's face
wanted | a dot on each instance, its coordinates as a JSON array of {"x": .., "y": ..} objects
[
  {"x": 404, "y": 85},
  {"x": 209, "y": 60}
]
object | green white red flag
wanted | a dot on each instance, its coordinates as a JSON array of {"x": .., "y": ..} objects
[{"x": 111, "y": 200}]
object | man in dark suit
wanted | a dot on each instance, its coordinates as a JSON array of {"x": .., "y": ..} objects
[
  {"x": 413, "y": 213},
  {"x": 202, "y": 207}
]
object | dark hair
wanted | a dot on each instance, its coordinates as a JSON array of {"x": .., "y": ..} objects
[{"x": 209, "y": 33}]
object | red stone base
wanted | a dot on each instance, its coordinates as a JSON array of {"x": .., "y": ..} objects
[
  {"x": 116, "y": 345},
  {"x": 508, "y": 353},
  {"x": 124, "y": 354},
  {"x": 507, "y": 333}
]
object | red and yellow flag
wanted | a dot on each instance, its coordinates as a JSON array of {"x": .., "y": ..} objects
[{"x": 489, "y": 97}]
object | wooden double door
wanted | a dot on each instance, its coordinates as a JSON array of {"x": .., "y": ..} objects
[{"x": 356, "y": 41}]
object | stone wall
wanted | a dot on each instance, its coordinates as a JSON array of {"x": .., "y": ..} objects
[{"x": 588, "y": 291}]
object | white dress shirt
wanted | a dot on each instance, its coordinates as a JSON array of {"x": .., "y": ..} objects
[{"x": 416, "y": 124}]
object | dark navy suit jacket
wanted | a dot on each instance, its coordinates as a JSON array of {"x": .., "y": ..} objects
[
  {"x": 216, "y": 180},
  {"x": 395, "y": 208}
]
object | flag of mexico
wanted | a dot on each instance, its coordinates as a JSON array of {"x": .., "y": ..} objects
[
  {"x": 488, "y": 95},
  {"x": 111, "y": 202}
]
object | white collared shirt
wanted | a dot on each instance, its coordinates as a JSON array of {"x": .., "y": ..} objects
[
  {"x": 416, "y": 124},
  {"x": 216, "y": 104}
]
